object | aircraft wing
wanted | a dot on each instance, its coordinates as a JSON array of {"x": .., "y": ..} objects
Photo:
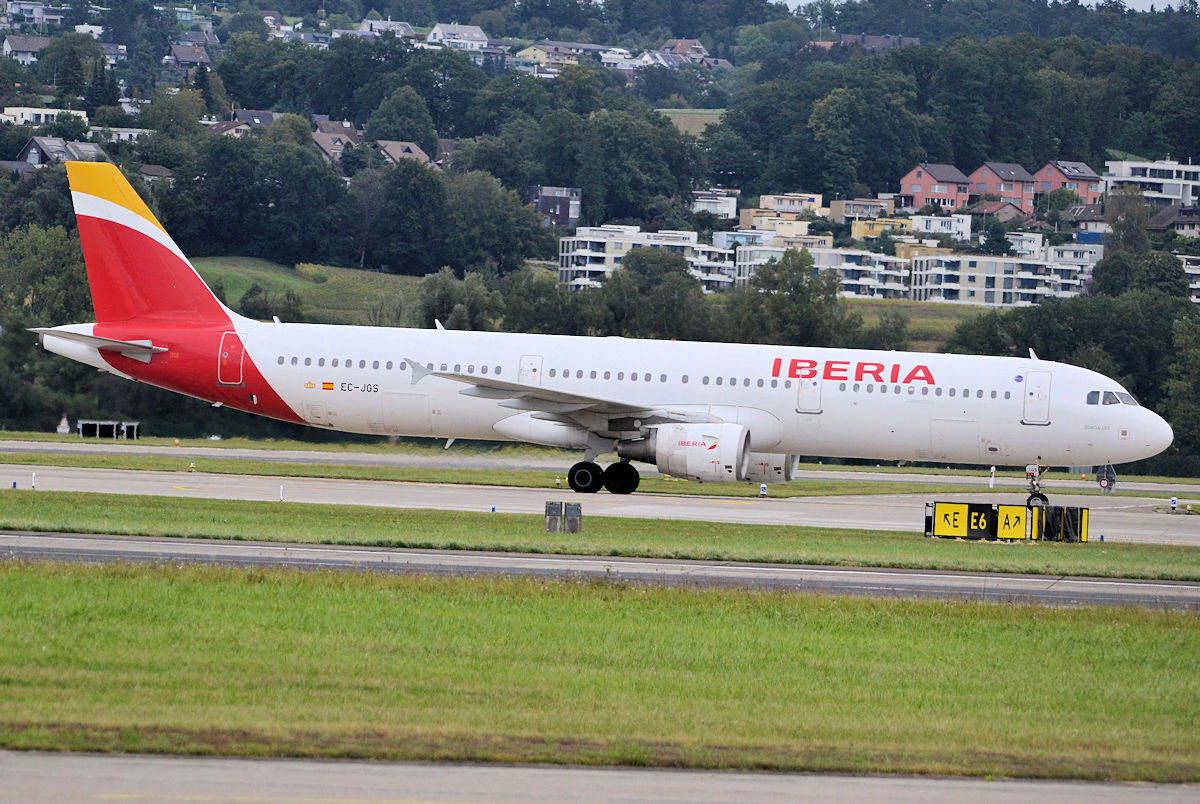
[{"x": 555, "y": 403}]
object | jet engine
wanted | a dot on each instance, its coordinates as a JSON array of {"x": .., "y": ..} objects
[
  {"x": 772, "y": 467},
  {"x": 709, "y": 453}
]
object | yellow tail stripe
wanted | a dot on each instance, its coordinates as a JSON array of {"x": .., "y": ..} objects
[{"x": 105, "y": 181}]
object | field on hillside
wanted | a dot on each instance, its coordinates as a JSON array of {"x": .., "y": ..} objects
[
  {"x": 329, "y": 295},
  {"x": 692, "y": 121},
  {"x": 929, "y": 324}
]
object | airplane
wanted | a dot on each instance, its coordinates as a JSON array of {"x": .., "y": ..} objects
[{"x": 708, "y": 412}]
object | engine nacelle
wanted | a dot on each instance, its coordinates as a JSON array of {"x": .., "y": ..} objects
[
  {"x": 772, "y": 467},
  {"x": 710, "y": 453}
]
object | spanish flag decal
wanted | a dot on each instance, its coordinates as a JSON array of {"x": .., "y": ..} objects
[{"x": 326, "y": 386}]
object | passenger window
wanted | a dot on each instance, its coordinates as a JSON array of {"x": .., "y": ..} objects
[
  {"x": 924, "y": 390},
  {"x": 592, "y": 375},
  {"x": 482, "y": 369},
  {"x": 774, "y": 383},
  {"x": 620, "y": 375},
  {"x": 443, "y": 365},
  {"x": 1110, "y": 398},
  {"x": 684, "y": 378},
  {"x": 375, "y": 364},
  {"x": 295, "y": 361},
  {"x": 280, "y": 361},
  {"x": 1008, "y": 395},
  {"x": 993, "y": 394},
  {"x": 937, "y": 391},
  {"x": 662, "y": 377},
  {"x": 870, "y": 388},
  {"x": 308, "y": 361},
  {"x": 951, "y": 392},
  {"x": 704, "y": 381},
  {"x": 720, "y": 380},
  {"x": 470, "y": 369},
  {"x": 857, "y": 387},
  {"x": 841, "y": 386},
  {"x": 334, "y": 363},
  {"x": 979, "y": 394},
  {"x": 912, "y": 389},
  {"x": 362, "y": 364},
  {"x": 553, "y": 372},
  {"x": 1093, "y": 398},
  {"x": 320, "y": 361},
  {"x": 403, "y": 365},
  {"x": 608, "y": 375},
  {"x": 760, "y": 383},
  {"x": 458, "y": 367}
]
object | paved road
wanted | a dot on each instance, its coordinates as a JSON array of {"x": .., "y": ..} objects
[
  {"x": 1118, "y": 519},
  {"x": 39, "y": 777},
  {"x": 873, "y": 582}
]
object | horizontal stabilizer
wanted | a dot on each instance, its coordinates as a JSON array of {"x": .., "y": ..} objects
[{"x": 141, "y": 350}]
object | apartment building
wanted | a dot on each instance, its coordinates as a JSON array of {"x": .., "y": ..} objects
[
  {"x": 593, "y": 252},
  {"x": 794, "y": 202},
  {"x": 1191, "y": 267},
  {"x": 993, "y": 281},
  {"x": 956, "y": 226},
  {"x": 858, "y": 208},
  {"x": 721, "y": 203},
  {"x": 874, "y": 227},
  {"x": 863, "y": 274},
  {"x": 1164, "y": 182}
]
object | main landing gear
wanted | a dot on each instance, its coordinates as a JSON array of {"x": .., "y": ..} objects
[{"x": 587, "y": 477}]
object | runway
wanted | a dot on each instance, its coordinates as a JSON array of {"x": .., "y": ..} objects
[
  {"x": 39, "y": 777},
  {"x": 873, "y": 582},
  {"x": 1117, "y": 519}
]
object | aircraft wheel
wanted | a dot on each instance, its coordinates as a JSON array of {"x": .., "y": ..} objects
[
  {"x": 585, "y": 477},
  {"x": 621, "y": 478},
  {"x": 1038, "y": 499}
]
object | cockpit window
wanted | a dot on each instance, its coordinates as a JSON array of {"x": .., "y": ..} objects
[
  {"x": 1110, "y": 398},
  {"x": 1093, "y": 397},
  {"x": 1126, "y": 399}
]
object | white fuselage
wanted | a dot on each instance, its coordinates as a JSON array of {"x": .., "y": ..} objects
[{"x": 811, "y": 401}]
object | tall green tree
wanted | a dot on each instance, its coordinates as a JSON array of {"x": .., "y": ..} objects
[
  {"x": 1127, "y": 215},
  {"x": 488, "y": 226},
  {"x": 404, "y": 117}
]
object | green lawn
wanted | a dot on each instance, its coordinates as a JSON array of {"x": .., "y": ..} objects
[
  {"x": 388, "y": 527},
  {"x": 288, "y": 663}
]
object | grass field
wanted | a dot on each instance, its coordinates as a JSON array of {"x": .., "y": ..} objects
[
  {"x": 929, "y": 324},
  {"x": 692, "y": 121},
  {"x": 288, "y": 663},
  {"x": 719, "y": 541},
  {"x": 329, "y": 295}
]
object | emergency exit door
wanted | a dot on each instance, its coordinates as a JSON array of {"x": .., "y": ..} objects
[
  {"x": 1037, "y": 398},
  {"x": 229, "y": 362}
]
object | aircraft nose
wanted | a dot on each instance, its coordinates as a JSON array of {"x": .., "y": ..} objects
[{"x": 1158, "y": 434}]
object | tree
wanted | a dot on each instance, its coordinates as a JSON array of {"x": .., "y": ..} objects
[
  {"x": 465, "y": 303},
  {"x": 67, "y": 126},
  {"x": 994, "y": 240},
  {"x": 414, "y": 207},
  {"x": 1182, "y": 402},
  {"x": 787, "y": 303},
  {"x": 1127, "y": 215},
  {"x": 42, "y": 277},
  {"x": 487, "y": 225},
  {"x": 404, "y": 117},
  {"x": 173, "y": 114},
  {"x": 1160, "y": 272}
]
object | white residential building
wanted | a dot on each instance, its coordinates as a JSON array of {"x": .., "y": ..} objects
[
  {"x": 1191, "y": 267},
  {"x": 956, "y": 226},
  {"x": 721, "y": 203},
  {"x": 595, "y": 251},
  {"x": 993, "y": 281},
  {"x": 863, "y": 274},
  {"x": 36, "y": 116},
  {"x": 458, "y": 37},
  {"x": 1164, "y": 182}
]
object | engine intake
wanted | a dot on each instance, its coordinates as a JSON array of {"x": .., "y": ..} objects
[
  {"x": 709, "y": 453},
  {"x": 772, "y": 467}
]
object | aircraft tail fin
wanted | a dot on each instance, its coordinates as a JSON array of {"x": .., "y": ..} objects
[{"x": 134, "y": 268}]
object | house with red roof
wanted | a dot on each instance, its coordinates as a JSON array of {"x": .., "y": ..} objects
[
  {"x": 1005, "y": 181},
  {"x": 933, "y": 183},
  {"x": 1075, "y": 176}
]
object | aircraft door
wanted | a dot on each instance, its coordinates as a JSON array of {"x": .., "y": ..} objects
[
  {"x": 1037, "y": 398},
  {"x": 531, "y": 370},
  {"x": 229, "y": 360},
  {"x": 808, "y": 395}
]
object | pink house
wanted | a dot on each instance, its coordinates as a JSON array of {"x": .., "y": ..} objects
[
  {"x": 944, "y": 185},
  {"x": 1075, "y": 176},
  {"x": 1005, "y": 181}
]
